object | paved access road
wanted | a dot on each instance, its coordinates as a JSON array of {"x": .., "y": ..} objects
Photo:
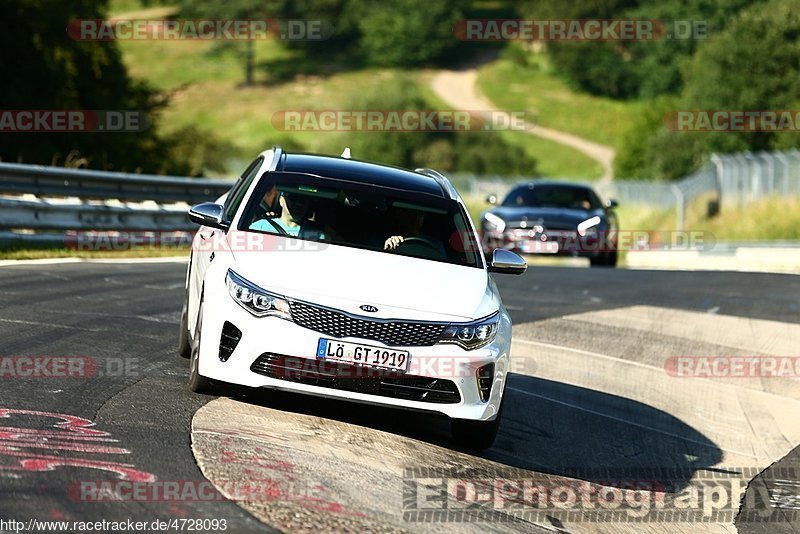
[{"x": 590, "y": 399}]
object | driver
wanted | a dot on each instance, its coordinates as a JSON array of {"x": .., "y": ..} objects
[{"x": 408, "y": 223}]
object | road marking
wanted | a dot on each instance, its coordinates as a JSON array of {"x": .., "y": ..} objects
[
  {"x": 51, "y": 325},
  {"x": 65, "y": 433},
  {"x": 757, "y": 335}
]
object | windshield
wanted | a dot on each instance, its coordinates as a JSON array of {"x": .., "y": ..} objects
[
  {"x": 362, "y": 216},
  {"x": 552, "y": 196}
]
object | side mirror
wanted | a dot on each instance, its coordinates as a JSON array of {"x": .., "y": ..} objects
[
  {"x": 491, "y": 199},
  {"x": 208, "y": 214},
  {"x": 611, "y": 203},
  {"x": 507, "y": 262}
]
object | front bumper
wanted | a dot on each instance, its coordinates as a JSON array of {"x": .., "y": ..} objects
[{"x": 280, "y": 338}]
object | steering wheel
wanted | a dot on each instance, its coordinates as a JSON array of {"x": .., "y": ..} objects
[
  {"x": 421, "y": 241},
  {"x": 418, "y": 241}
]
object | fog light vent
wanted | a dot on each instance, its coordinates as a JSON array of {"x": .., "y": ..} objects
[
  {"x": 485, "y": 377},
  {"x": 228, "y": 340}
]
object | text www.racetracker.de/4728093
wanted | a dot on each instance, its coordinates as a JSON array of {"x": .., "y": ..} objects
[{"x": 163, "y": 525}]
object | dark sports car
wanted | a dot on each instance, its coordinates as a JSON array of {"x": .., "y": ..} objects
[{"x": 544, "y": 217}]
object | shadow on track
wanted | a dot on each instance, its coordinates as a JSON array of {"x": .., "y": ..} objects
[{"x": 548, "y": 427}]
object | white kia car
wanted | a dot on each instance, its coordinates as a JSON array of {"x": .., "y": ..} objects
[{"x": 350, "y": 280}]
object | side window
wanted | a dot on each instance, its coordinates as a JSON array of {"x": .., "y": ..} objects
[
  {"x": 240, "y": 188},
  {"x": 595, "y": 200}
]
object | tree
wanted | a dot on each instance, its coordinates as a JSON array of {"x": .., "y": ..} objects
[
  {"x": 44, "y": 69},
  {"x": 408, "y": 32},
  {"x": 632, "y": 69},
  {"x": 752, "y": 65},
  {"x": 237, "y": 10}
]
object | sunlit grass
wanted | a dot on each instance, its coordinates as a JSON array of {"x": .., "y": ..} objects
[
  {"x": 768, "y": 219},
  {"x": 554, "y": 104}
]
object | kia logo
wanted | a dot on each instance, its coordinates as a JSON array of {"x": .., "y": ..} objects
[{"x": 368, "y": 308}]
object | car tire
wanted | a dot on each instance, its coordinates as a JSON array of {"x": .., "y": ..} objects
[
  {"x": 197, "y": 382},
  {"x": 184, "y": 340},
  {"x": 478, "y": 435},
  {"x": 612, "y": 259},
  {"x": 608, "y": 259}
]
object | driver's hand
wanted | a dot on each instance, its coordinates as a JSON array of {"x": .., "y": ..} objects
[{"x": 393, "y": 242}]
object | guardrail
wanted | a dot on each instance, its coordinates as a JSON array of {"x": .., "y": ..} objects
[
  {"x": 41, "y": 205},
  {"x": 18, "y": 179},
  {"x": 43, "y": 215}
]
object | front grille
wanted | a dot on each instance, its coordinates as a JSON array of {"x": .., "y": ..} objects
[
  {"x": 339, "y": 324},
  {"x": 357, "y": 379}
]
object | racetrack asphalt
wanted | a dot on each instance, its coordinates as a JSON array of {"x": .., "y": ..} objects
[{"x": 573, "y": 410}]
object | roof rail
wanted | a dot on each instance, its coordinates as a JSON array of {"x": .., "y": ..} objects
[
  {"x": 441, "y": 179},
  {"x": 276, "y": 157}
]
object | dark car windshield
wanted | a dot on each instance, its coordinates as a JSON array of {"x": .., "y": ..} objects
[
  {"x": 552, "y": 196},
  {"x": 364, "y": 216}
]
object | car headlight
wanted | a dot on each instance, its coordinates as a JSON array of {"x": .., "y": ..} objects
[
  {"x": 257, "y": 301},
  {"x": 493, "y": 222},
  {"x": 472, "y": 335}
]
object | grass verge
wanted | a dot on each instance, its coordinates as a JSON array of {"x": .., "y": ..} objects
[{"x": 52, "y": 253}]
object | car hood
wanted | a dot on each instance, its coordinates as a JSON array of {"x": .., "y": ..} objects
[
  {"x": 346, "y": 278},
  {"x": 561, "y": 218}
]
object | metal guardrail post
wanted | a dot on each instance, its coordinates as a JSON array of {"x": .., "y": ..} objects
[{"x": 680, "y": 207}]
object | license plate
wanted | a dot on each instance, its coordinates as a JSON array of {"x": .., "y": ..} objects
[
  {"x": 358, "y": 354},
  {"x": 535, "y": 246}
]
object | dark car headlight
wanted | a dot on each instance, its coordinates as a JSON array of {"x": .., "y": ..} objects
[
  {"x": 257, "y": 301},
  {"x": 472, "y": 335}
]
